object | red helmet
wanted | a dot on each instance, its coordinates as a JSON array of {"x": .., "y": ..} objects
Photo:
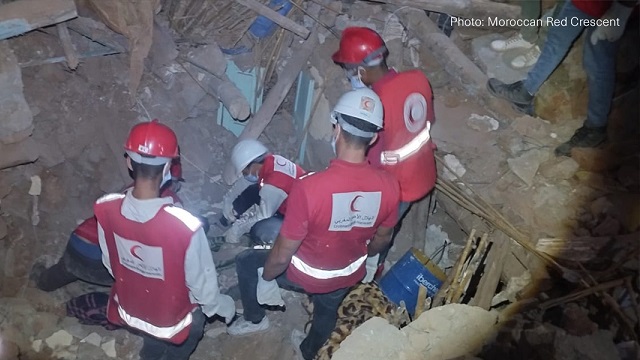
[
  {"x": 360, "y": 46},
  {"x": 154, "y": 140}
]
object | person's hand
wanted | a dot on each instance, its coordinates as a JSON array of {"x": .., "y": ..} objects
[
  {"x": 372, "y": 267},
  {"x": 228, "y": 212},
  {"x": 227, "y": 308},
  {"x": 617, "y": 13},
  {"x": 268, "y": 292}
]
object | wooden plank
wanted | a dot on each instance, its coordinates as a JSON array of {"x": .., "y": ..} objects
[
  {"x": 473, "y": 9},
  {"x": 274, "y": 16},
  {"x": 69, "y": 50},
  {"x": 492, "y": 270},
  {"x": 22, "y": 16}
]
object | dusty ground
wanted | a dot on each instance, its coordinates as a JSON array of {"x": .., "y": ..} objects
[{"x": 81, "y": 119}]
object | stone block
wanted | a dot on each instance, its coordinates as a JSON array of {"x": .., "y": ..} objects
[{"x": 17, "y": 119}]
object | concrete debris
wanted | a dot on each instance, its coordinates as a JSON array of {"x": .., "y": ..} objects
[
  {"x": 514, "y": 286},
  {"x": 496, "y": 64},
  {"x": 110, "y": 348},
  {"x": 210, "y": 58},
  {"x": 550, "y": 342},
  {"x": 93, "y": 339},
  {"x": 550, "y": 209},
  {"x": 575, "y": 320},
  {"x": 426, "y": 338},
  {"x": 601, "y": 205},
  {"x": 3, "y": 229},
  {"x": 215, "y": 332},
  {"x": 436, "y": 246},
  {"x": 482, "y": 123},
  {"x": 36, "y": 345},
  {"x": 36, "y": 185},
  {"x": 59, "y": 339},
  {"x": 526, "y": 165},
  {"x": 562, "y": 168},
  {"x": 364, "y": 342},
  {"x": 609, "y": 226},
  {"x": 454, "y": 164},
  {"x": 17, "y": 119}
]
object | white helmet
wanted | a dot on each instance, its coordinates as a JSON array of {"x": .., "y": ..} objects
[
  {"x": 361, "y": 103},
  {"x": 245, "y": 152}
]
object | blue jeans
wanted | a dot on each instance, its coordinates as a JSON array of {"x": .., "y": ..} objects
[
  {"x": 598, "y": 61},
  {"x": 156, "y": 349},
  {"x": 265, "y": 231},
  {"x": 325, "y": 306},
  {"x": 403, "y": 207}
]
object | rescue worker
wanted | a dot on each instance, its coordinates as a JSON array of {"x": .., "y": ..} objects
[
  {"x": 404, "y": 147},
  {"x": 158, "y": 254},
  {"x": 336, "y": 219},
  {"x": 82, "y": 258},
  {"x": 257, "y": 202}
]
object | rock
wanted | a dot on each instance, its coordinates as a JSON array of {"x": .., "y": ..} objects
[
  {"x": 364, "y": 342},
  {"x": 598, "y": 346},
  {"x": 454, "y": 164},
  {"x": 60, "y": 338},
  {"x": 601, "y": 205},
  {"x": 110, "y": 348},
  {"x": 17, "y": 119},
  {"x": 215, "y": 332},
  {"x": 526, "y": 165},
  {"x": 532, "y": 127},
  {"x": 559, "y": 168},
  {"x": 3, "y": 228},
  {"x": 93, "y": 339},
  {"x": 44, "y": 322},
  {"x": 209, "y": 57},
  {"x": 609, "y": 226},
  {"x": 576, "y": 321},
  {"x": 551, "y": 213},
  {"x": 88, "y": 351},
  {"x": 36, "y": 345},
  {"x": 496, "y": 64},
  {"x": 9, "y": 350},
  {"x": 431, "y": 334},
  {"x": 482, "y": 123},
  {"x": 513, "y": 144},
  {"x": 435, "y": 239},
  {"x": 514, "y": 286}
]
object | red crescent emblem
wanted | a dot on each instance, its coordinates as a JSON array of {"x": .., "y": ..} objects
[
  {"x": 284, "y": 162},
  {"x": 133, "y": 252},
  {"x": 353, "y": 203}
]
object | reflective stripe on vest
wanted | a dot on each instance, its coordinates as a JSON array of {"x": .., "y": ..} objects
[
  {"x": 392, "y": 157},
  {"x": 159, "y": 332},
  {"x": 327, "y": 274}
]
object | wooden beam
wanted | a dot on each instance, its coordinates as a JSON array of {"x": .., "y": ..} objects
[
  {"x": 274, "y": 16},
  {"x": 69, "y": 50},
  {"x": 22, "y": 16},
  {"x": 472, "y": 9},
  {"x": 259, "y": 121},
  {"x": 493, "y": 268}
]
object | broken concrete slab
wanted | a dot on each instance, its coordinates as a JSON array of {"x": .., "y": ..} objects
[
  {"x": 109, "y": 348},
  {"x": 482, "y": 123},
  {"x": 454, "y": 164},
  {"x": 526, "y": 165},
  {"x": 59, "y": 339},
  {"x": 497, "y": 64},
  {"x": 562, "y": 168},
  {"x": 17, "y": 119}
]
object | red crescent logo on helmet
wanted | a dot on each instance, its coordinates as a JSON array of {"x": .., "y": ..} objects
[
  {"x": 133, "y": 252},
  {"x": 367, "y": 103},
  {"x": 283, "y": 163},
  {"x": 353, "y": 203}
]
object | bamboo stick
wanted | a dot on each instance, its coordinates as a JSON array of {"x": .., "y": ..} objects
[
  {"x": 459, "y": 264},
  {"x": 422, "y": 297}
]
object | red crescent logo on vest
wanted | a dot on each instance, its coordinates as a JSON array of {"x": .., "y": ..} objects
[
  {"x": 284, "y": 162},
  {"x": 133, "y": 252},
  {"x": 415, "y": 112},
  {"x": 353, "y": 203}
]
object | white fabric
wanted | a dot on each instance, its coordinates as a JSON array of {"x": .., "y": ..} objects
[
  {"x": 236, "y": 189},
  {"x": 161, "y": 332},
  {"x": 241, "y": 226},
  {"x": 393, "y": 157},
  {"x": 201, "y": 277},
  {"x": 326, "y": 274},
  {"x": 268, "y": 292},
  {"x": 609, "y": 32},
  {"x": 271, "y": 197},
  {"x": 157, "y": 160},
  {"x": 372, "y": 266}
]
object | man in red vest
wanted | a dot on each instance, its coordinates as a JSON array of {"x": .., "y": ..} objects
[
  {"x": 158, "y": 254},
  {"x": 257, "y": 202},
  {"x": 336, "y": 219},
  {"x": 604, "y": 21},
  {"x": 404, "y": 147}
]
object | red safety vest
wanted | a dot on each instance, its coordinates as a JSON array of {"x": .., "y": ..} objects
[
  {"x": 147, "y": 260},
  {"x": 408, "y": 106}
]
